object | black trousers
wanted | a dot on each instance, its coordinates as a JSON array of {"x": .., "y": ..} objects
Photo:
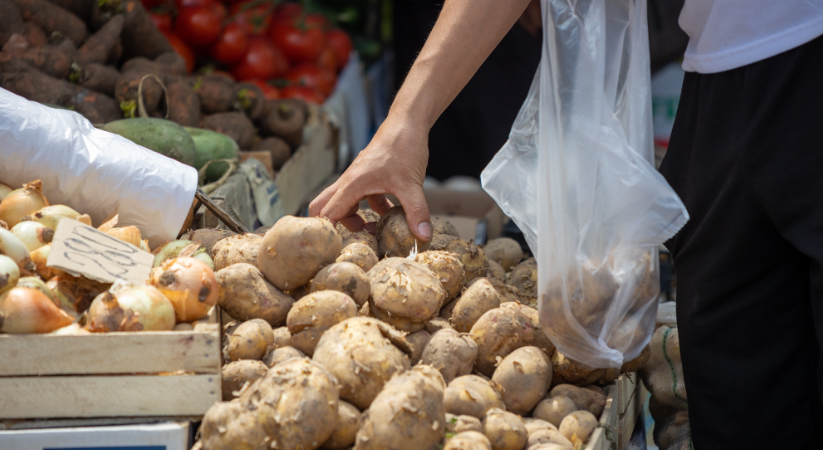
[{"x": 746, "y": 157}]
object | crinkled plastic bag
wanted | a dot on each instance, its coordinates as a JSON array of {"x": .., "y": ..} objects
[
  {"x": 576, "y": 176},
  {"x": 93, "y": 171}
]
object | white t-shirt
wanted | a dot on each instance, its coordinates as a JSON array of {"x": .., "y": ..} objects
[{"x": 727, "y": 34}]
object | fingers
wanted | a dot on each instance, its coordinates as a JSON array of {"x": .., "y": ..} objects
[
  {"x": 380, "y": 204},
  {"x": 320, "y": 202},
  {"x": 417, "y": 211},
  {"x": 353, "y": 221}
]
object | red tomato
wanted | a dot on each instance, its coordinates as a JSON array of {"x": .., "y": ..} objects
[
  {"x": 182, "y": 49},
  {"x": 318, "y": 21},
  {"x": 269, "y": 91},
  {"x": 299, "y": 44},
  {"x": 197, "y": 25},
  {"x": 339, "y": 41},
  {"x": 214, "y": 5},
  {"x": 288, "y": 12},
  {"x": 310, "y": 75},
  {"x": 255, "y": 20},
  {"x": 263, "y": 60},
  {"x": 303, "y": 93},
  {"x": 231, "y": 45},
  {"x": 161, "y": 21},
  {"x": 327, "y": 60}
]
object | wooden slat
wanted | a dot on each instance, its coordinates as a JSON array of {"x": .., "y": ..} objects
[
  {"x": 110, "y": 353},
  {"x": 605, "y": 436},
  {"x": 632, "y": 395},
  {"x": 95, "y": 396}
]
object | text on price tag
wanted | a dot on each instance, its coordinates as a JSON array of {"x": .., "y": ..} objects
[{"x": 82, "y": 250}]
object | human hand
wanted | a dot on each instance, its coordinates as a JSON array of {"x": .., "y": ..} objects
[{"x": 394, "y": 162}]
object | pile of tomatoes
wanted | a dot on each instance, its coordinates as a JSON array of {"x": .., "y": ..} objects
[{"x": 286, "y": 51}]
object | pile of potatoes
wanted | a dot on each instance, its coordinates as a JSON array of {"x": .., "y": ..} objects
[{"x": 347, "y": 340}]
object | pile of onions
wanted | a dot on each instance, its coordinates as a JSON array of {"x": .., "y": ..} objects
[
  {"x": 50, "y": 216},
  {"x": 9, "y": 273},
  {"x": 22, "y": 202},
  {"x": 130, "y": 234},
  {"x": 14, "y": 248},
  {"x": 182, "y": 247},
  {"x": 74, "y": 294},
  {"x": 26, "y": 311},
  {"x": 189, "y": 284},
  {"x": 36, "y": 284},
  {"x": 129, "y": 307},
  {"x": 4, "y": 191},
  {"x": 33, "y": 234}
]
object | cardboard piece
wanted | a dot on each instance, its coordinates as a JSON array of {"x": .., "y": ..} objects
[
  {"x": 82, "y": 250},
  {"x": 159, "y": 436},
  {"x": 263, "y": 156}
]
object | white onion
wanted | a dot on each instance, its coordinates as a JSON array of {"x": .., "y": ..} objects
[
  {"x": 50, "y": 216},
  {"x": 22, "y": 202},
  {"x": 182, "y": 247},
  {"x": 9, "y": 273},
  {"x": 190, "y": 286},
  {"x": 4, "y": 191},
  {"x": 33, "y": 234},
  {"x": 130, "y": 234},
  {"x": 36, "y": 284},
  {"x": 14, "y": 248},
  {"x": 26, "y": 311},
  {"x": 129, "y": 307}
]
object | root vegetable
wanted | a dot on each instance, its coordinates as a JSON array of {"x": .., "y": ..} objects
[
  {"x": 524, "y": 376},
  {"x": 394, "y": 237},
  {"x": 496, "y": 271},
  {"x": 47, "y": 59},
  {"x": 140, "y": 37},
  {"x": 249, "y": 340},
  {"x": 471, "y": 395},
  {"x": 278, "y": 149},
  {"x": 11, "y": 21},
  {"x": 359, "y": 352},
  {"x": 549, "y": 440},
  {"x": 282, "y": 338},
  {"x": 506, "y": 431},
  {"x": 229, "y": 425},
  {"x": 285, "y": 119},
  {"x": 315, "y": 313},
  {"x": 162, "y": 136},
  {"x": 359, "y": 237},
  {"x": 448, "y": 269},
  {"x": 585, "y": 399},
  {"x": 408, "y": 414},
  {"x": 282, "y": 354},
  {"x": 26, "y": 311},
  {"x": 635, "y": 364},
  {"x": 295, "y": 249},
  {"x": 578, "y": 426},
  {"x": 417, "y": 341},
  {"x": 478, "y": 299},
  {"x": 235, "y": 375},
  {"x": 236, "y": 249},
  {"x": 524, "y": 277},
  {"x": 459, "y": 424},
  {"x": 359, "y": 254},
  {"x": 189, "y": 284},
  {"x": 534, "y": 424},
  {"x": 98, "y": 78},
  {"x": 343, "y": 277},
  {"x": 22, "y": 202},
  {"x": 443, "y": 226},
  {"x": 250, "y": 100},
  {"x": 569, "y": 371},
  {"x": 234, "y": 125},
  {"x": 209, "y": 237},
  {"x": 348, "y": 422},
  {"x": 245, "y": 295},
  {"x": 473, "y": 257},
  {"x": 184, "y": 105},
  {"x": 451, "y": 353},
  {"x": 9, "y": 273},
  {"x": 52, "y": 18},
  {"x": 468, "y": 440},
  {"x": 554, "y": 409},
  {"x": 97, "y": 47},
  {"x": 504, "y": 251},
  {"x": 502, "y": 330},
  {"x": 216, "y": 94},
  {"x": 50, "y": 216},
  {"x": 407, "y": 292},
  {"x": 436, "y": 324},
  {"x": 14, "y": 248}
]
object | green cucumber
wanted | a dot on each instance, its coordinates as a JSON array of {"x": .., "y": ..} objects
[{"x": 162, "y": 136}]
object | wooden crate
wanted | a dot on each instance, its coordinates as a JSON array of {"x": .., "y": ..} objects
[
  {"x": 623, "y": 405},
  {"x": 173, "y": 374}
]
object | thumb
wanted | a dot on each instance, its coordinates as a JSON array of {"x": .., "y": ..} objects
[{"x": 417, "y": 211}]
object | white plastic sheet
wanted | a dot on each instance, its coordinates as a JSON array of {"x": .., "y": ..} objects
[
  {"x": 93, "y": 171},
  {"x": 576, "y": 176}
]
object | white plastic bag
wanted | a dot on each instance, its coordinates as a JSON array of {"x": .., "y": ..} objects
[
  {"x": 93, "y": 171},
  {"x": 576, "y": 177}
]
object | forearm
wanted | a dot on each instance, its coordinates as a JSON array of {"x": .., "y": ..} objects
[{"x": 465, "y": 34}]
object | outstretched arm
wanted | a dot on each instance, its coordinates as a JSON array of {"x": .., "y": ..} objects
[{"x": 395, "y": 161}]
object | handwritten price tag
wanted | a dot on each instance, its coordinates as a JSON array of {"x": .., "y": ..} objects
[{"x": 82, "y": 250}]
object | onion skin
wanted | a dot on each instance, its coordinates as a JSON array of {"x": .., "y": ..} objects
[
  {"x": 74, "y": 294},
  {"x": 14, "y": 248},
  {"x": 128, "y": 234},
  {"x": 33, "y": 234},
  {"x": 190, "y": 286},
  {"x": 22, "y": 202},
  {"x": 9, "y": 273},
  {"x": 4, "y": 191},
  {"x": 36, "y": 284},
  {"x": 28, "y": 311},
  {"x": 182, "y": 247},
  {"x": 50, "y": 216},
  {"x": 127, "y": 307}
]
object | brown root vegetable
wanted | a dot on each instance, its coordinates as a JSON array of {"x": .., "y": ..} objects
[
  {"x": 282, "y": 338},
  {"x": 249, "y": 340},
  {"x": 47, "y": 59},
  {"x": 280, "y": 355},
  {"x": 569, "y": 371},
  {"x": 315, "y": 313},
  {"x": 459, "y": 424},
  {"x": 184, "y": 105},
  {"x": 534, "y": 424},
  {"x": 407, "y": 292},
  {"x": 451, "y": 353},
  {"x": 234, "y": 125},
  {"x": 362, "y": 237},
  {"x": 245, "y": 295},
  {"x": 11, "y": 22},
  {"x": 554, "y": 409},
  {"x": 635, "y": 364},
  {"x": 506, "y": 431},
  {"x": 394, "y": 237},
  {"x": 296, "y": 248},
  {"x": 99, "y": 78},
  {"x": 250, "y": 100},
  {"x": 208, "y": 237},
  {"x": 524, "y": 277},
  {"x": 585, "y": 399},
  {"x": 360, "y": 254},
  {"x": 468, "y": 440},
  {"x": 278, "y": 148},
  {"x": 548, "y": 440},
  {"x": 52, "y": 18},
  {"x": 447, "y": 309},
  {"x": 478, "y": 299},
  {"x": 128, "y": 86},
  {"x": 436, "y": 324},
  {"x": 235, "y": 375},
  {"x": 408, "y": 414},
  {"x": 348, "y": 422},
  {"x": 443, "y": 226},
  {"x": 39, "y": 87},
  {"x": 97, "y": 47},
  {"x": 504, "y": 251},
  {"x": 228, "y": 425},
  {"x": 471, "y": 395},
  {"x": 34, "y": 35},
  {"x": 216, "y": 94},
  {"x": 578, "y": 426},
  {"x": 235, "y": 249},
  {"x": 285, "y": 119},
  {"x": 343, "y": 277},
  {"x": 473, "y": 257},
  {"x": 448, "y": 269},
  {"x": 524, "y": 376},
  {"x": 496, "y": 271},
  {"x": 140, "y": 37},
  {"x": 417, "y": 341},
  {"x": 360, "y": 354},
  {"x": 502, "y": 330}
]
